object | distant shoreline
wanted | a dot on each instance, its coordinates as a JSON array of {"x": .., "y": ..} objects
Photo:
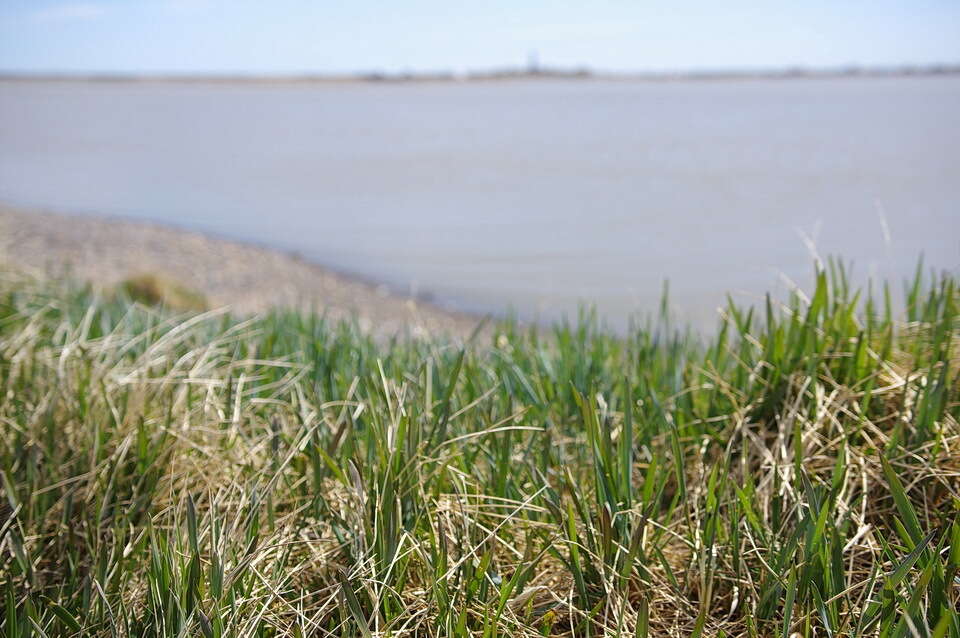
[
  {"x": 583, "y": 74},
  {"x": 249, "y": 278}
]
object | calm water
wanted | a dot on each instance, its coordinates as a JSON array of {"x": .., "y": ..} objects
[{"x": 535, "y": 195}]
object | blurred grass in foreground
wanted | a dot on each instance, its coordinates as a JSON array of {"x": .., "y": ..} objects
[{"x": 798, "y": 473}]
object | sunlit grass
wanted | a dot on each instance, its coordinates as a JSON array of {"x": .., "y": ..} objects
[{"x": 797, "y": 473}]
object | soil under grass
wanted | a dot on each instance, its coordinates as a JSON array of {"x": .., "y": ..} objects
[{"x": 182, "y": 474}]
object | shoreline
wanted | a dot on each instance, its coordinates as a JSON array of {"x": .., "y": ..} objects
[
  {"x": 482, "y": 76},
  {"x": 247, "y": 277}
]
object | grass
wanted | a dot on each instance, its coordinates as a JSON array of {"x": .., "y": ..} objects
[
  {"x": 796, "y": 474},
  {"x": 153, "y": 290}
]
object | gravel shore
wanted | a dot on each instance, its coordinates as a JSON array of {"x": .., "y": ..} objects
[{"x": 247, "y": 278}]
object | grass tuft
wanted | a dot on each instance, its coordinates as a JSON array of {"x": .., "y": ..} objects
[{"x": 154, "y": 290}]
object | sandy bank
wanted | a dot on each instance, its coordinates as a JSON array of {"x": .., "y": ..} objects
[{"x": 246, "y": 278}]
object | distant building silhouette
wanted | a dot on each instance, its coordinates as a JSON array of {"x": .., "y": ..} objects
[{"x": 533, "y": 62}]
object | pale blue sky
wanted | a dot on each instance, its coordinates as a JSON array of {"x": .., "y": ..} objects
[{"x": 290, "y": 36}]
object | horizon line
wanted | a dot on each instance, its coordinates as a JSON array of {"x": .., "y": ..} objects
[{"x": 504, "y": 72}]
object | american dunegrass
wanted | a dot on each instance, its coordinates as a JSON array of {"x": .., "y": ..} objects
[{"x": 796, "y": 474}]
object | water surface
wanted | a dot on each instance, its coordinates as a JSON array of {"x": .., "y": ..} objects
[{"x": 533, "y": 195}]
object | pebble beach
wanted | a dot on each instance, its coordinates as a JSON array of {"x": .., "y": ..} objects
[{"x": 246, "y": 278}]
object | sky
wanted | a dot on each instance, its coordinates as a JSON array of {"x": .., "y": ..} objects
[{"x": 323, "y": 36}]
